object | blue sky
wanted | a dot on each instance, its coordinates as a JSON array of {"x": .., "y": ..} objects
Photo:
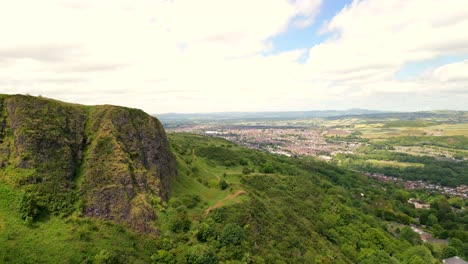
[
  {"x": 222, "y": 55},
  {"x": 413, "y": 69},
  {"x": 303, "y": 38}
]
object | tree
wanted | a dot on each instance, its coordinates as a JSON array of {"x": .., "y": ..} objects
[
  {"x": 268, "y": 168},
  {"x": 201, "y": 254},
  {"x": 370, "y": 256},
  {"x": 409, "y": 235},
  {"x": 204, "y": 232},
  {"x": 416, "y": 255},
  {"x": 106, "y": 257},
  {"x": 232, "y": 235},
  {"x": 431, "y": 220},
  {"x": 180, "y": 221},
  {"x": 162, "y": 256},
  {"x": 460, "y": 246},
  {"x": 449, "y": 252}
]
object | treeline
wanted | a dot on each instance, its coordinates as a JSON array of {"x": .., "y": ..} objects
[
  {"x": 408, "y": 123},
  {"x": 444, "y": 172},
  {"x": 454, "y": 142}
]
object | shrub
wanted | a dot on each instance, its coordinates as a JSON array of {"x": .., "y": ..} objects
[
  {"x": 190, "y": 201},
  {"x": 223, "y": 184},
  {"x": 29, "y": 210}
]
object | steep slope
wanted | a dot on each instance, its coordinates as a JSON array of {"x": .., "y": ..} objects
[
  {"x": 111, "y": 161},
  {"x": 134, "y": 149}
]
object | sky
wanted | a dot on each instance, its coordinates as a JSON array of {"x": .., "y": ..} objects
[{"x": 188, "y": 56}]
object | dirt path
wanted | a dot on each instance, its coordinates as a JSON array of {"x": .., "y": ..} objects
[{"x": 221, "y": 202}]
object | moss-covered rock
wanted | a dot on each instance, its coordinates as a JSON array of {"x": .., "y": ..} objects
[{"x": 113, "y": 160}]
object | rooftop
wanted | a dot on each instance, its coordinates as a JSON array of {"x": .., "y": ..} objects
[{"x": 454, "y": 260}]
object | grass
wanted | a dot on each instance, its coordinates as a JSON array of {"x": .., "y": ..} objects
[
  {"x": 61, "y": 240},
  {"x": 452, "y": 129},
  {"x": 205, "y": 182}
]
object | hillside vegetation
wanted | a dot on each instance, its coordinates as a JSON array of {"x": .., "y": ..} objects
[
  {"x": 274, "y": 209},
  {"x": 83, "y": 184}
]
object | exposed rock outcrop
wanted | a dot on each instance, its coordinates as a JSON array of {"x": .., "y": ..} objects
[{"x": 113, "y": 162}]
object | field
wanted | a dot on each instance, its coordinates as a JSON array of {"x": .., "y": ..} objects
[{"x": 380, "y": 130}]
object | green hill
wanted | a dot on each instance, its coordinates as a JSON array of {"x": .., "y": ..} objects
[{"x": 103, "y": 184}]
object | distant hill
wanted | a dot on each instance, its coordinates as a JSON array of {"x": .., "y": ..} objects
[
  {"x": 227, "y": 116},
  {"x": 170, "y": 119},
  {"x": 450, "y": 116}
]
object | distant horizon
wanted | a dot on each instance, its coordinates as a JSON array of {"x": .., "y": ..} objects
[{"x": 299, "y": 111}]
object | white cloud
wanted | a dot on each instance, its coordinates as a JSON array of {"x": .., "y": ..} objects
[
  {"x": 90, "y": 48},
  {"x": 453, "y": 72},
  {"x": 372, "y": 40},
  {"x": 184, "y": 55},
  {"x": 385, "y": 35}
]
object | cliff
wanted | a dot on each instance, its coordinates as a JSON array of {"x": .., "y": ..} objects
[{"x": 101, "y": 161}]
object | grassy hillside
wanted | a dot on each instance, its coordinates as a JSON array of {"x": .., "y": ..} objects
[
  {"x": 87, "y": 187},
  {"x": 72, "y": 239}
]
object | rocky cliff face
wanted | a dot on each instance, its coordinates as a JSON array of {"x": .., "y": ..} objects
[{"x": 109, "y": 162}]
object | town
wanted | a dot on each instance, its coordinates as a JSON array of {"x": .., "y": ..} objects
[
  {"x": 288, "y": 141},
  {"x": 461, "y": 191}
]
